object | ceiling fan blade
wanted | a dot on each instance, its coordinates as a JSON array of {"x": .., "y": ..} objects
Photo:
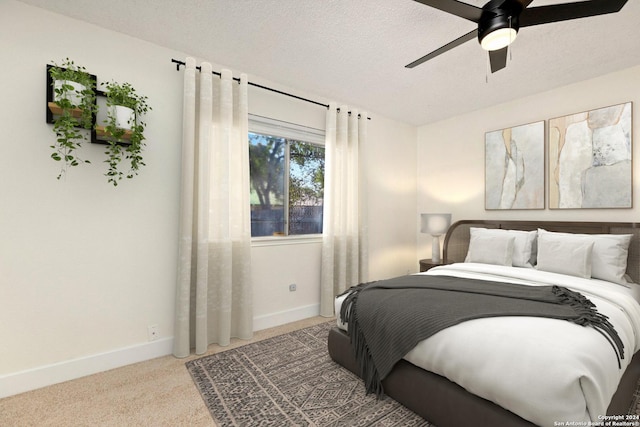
[
  {"x": 525, "y": 3},
  {"x": 498, "y": 59},
  {"x": 454, "y": 7},
  {"x": 566, "y": 11},
  {"x": 457, "y": 42}
]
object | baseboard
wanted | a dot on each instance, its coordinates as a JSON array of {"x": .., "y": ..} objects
[
  {"x": 283, "y": 317},
  {"x": 32, "y": 379}
]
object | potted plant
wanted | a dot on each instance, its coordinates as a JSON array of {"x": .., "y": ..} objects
[
  {"x": 75, "y": 98},
  {"x": 124, "y": 129}
]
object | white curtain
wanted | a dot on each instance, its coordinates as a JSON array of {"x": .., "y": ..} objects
[
  {"x": 345, "y": 233},
  {"x": 213, "y": 296}
]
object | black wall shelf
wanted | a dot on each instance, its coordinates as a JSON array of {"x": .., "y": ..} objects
[{"x": 52, "y": 109}]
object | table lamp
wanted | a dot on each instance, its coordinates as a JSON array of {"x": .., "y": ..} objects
[{"x": 435, "y": 224}]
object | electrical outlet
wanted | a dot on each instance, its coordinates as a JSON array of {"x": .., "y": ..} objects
[
  {"x": 153, "y": 332},
  {"x": 292, "y": 287}
]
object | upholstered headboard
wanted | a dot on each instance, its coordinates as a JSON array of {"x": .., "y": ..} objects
[{"x": 456, "y": 241}]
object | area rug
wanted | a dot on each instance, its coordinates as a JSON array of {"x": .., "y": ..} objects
[{"x": 290, "y": 380}]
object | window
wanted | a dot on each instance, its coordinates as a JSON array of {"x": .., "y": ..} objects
[{"x": 286, "y": 164}]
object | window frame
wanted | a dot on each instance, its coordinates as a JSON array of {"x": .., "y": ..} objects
[{"x": 268, "y": 126}]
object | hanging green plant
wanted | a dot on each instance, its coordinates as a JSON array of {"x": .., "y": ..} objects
[
  {"x": 124, "y": 129},
  {"x": 75, "y": 97}
]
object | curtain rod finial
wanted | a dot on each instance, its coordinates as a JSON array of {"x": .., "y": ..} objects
[{"x": 178, "y": 64}]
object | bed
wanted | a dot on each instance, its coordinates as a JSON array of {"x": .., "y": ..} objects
[{"x": 440, "y": 393}]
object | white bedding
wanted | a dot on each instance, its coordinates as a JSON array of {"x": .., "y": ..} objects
[{"x": 544, "y": 370}]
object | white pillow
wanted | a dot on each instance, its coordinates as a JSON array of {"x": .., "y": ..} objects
[
  {"x": 610, "y": 252},
  {"x": 488, "y": 249},
  {"x": 565, "y": 253},
  {"x": 609, "y": 257},
  {"x": 524, "y": 254}
]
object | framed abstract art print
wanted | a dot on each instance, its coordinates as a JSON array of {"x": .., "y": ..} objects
[
  {"x": 514, "y": 167},
  {"x": 590, "y": 159}
]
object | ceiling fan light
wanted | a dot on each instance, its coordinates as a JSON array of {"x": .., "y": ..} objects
[{"x": 498, "y": 39}]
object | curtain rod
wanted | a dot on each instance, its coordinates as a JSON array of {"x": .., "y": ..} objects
[{"x": 179, "y": 63}]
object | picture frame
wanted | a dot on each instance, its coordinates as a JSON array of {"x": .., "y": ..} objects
[
  {"x": 591, "y": 159},
  {"x": 515, "y": 167}
]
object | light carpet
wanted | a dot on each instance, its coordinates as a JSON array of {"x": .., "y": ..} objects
[{"x": 290, "y": 380}]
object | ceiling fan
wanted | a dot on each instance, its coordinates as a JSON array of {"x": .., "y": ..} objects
[{"x": 499, "y": 21}]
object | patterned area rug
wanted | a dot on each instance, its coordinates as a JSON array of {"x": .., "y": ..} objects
[{"x": 290, "y": 380}]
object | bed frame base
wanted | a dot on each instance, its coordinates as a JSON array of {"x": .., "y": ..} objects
[{"x": 445, "y": 403}]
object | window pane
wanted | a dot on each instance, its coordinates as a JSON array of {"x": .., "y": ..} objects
[
  {"x": 306, "y": 187},
  {"x": 267, "y": 174}
]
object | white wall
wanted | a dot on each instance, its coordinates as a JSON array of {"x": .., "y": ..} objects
[
  {"x": 392, "y": 199},
  {"x": 85, "y": 267},
  {"x": 451, "y": 152}
]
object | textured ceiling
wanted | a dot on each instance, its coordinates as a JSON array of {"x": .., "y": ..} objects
[{"x": 354, "y": 51}]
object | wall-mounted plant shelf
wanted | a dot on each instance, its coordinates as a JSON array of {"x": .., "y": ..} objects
[
  {"x": 56, "y": 110},
  {"x": 98, "y": 135},
  {"x": 75, "y": 106},
  {"x": 101, "y": 133}
]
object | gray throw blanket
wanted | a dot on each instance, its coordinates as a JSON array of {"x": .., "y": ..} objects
[{"x": 386, "y": 319}]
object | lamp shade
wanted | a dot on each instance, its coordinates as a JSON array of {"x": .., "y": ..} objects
[{"x": 435, "y": 224}]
